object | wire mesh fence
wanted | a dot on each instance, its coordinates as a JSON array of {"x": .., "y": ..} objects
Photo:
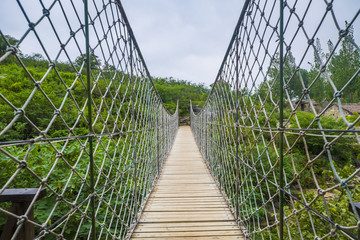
[
  {"x": 83, "y": 131},
  {"x": 280, "y": 129}
]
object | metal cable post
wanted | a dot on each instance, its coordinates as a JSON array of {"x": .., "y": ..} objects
[
  {"x": 133, "y": 125},
  {"x": 220, "y": 136},
  {"x": 149, "y": 124},
  {"x": 281, "y": 120},
  {"x": 206, "y": 136},
  {"x": 200, "y": 134},
  {"x": 158, "y": 141},
  {"x": 91, "y": 132},
  {"x": 237, "y": 140}
]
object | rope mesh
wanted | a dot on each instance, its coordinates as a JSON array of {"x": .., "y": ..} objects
[
  {"x": 131, "y": 130},
  {"x": 239, "y": 129}
]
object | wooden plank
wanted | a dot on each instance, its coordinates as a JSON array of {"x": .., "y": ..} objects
[
  {"x": 187, "y": 187},
  {"x": 187, "y": 224},
  {"x": 188, "y": 175},
  {"x": 201, "y": 213},
  {"x": 181, "y": 195},
  {"x": 185, "y": 217},
  {"x": 188, "y": 199},
  {"x": 187, "y": 228},
  {"x": 190, "y": 204},
  {"x": 185, "y": 177},
  {"x": 185, "y": 190},
  {"x": 175, "y": 185},
  {"x": 183, "y": 209},
  {"x": 187, "y": 193},
  {"x": 21, "y": 194},
  {"x": 194, "y": 238},
  {"x": 186, "y": 203},
  {"x": 188, "y": 233}
]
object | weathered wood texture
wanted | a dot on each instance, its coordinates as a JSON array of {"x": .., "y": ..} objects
[{"x": 186, "y": 203}]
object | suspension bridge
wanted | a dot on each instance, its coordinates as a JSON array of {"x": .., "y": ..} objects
[{"x": 89, "y": 151}]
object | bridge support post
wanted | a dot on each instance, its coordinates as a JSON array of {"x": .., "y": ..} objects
[
  {"x": 21, "y": 200},
  {"x": 203, "y": 133},
  {"x": 199, "y": 130},
  {"x": 237, "y": 181},
  {"x": 220, "y": 135},
  {"x": 90, "y": 124},
  {"x": 281, "y": 120},
  {"x": 206, "y": 135},
  {"x": 158, "y": 140},
  {"x": 149, "y": 134},
  {"x": 211, "y": 158},
  {"x": 162, "y": 139},
  {"x": 168, "y": 132},
  {"x": 134, "y": 156}
]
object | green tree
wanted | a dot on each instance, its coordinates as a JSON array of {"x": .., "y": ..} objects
[
  {"x": 5, "y": 40},
  {"x": 320, "y": 87},
  {"x": 343, "y": 67},
  {"x": 295, "y": 79},
  {"x": 95, "y": 62},
  {"x": 172, "y": 90}
]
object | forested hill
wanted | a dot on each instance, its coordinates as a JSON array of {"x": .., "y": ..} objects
[
  {"x": 17, "y": 85},
  {"x": 171, "y": 90}
]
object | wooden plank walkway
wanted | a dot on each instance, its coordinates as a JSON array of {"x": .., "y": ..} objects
[{"x": 186, "y": 203}]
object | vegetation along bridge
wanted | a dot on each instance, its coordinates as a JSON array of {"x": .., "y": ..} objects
[{"x": 88, "y": 149}]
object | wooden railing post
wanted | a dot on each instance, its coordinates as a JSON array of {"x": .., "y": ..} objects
[{"x": 20, "y": 199}]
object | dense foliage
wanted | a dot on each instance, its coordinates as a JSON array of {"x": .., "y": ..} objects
[{"x": 171, "y": 90}]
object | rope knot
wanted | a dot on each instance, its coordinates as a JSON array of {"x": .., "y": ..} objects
[
  {"x": 338, "y": 94},
  {"x": 329, "y": 7},
  {"x": 327, "y": 146},
  {"x": 60, "y": 237},
  {"x": 343, "y": 33},
  {"x": 59, "y": 198},
  {"x": 22, "y": 164},
  {"x": 23, "y": 219},
  {"x": 12, "y": 49},
  {"x": 32, "y": 26},
  {"x": 20, "y": 112},
  {"x": 305, "y": 91},
  {"x": 46, "y": 12}
]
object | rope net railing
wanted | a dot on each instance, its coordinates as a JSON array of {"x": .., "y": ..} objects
[
  {"x": 280, "y": 128},
  {"x": 83, "y": 131}
]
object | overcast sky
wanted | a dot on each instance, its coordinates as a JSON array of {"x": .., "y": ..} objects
[
  {"x": 187, "y": 39},
  {"x": 184, "y": 39}
]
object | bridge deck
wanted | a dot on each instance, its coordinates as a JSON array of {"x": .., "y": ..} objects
[{"x": 186, "y": 203}]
